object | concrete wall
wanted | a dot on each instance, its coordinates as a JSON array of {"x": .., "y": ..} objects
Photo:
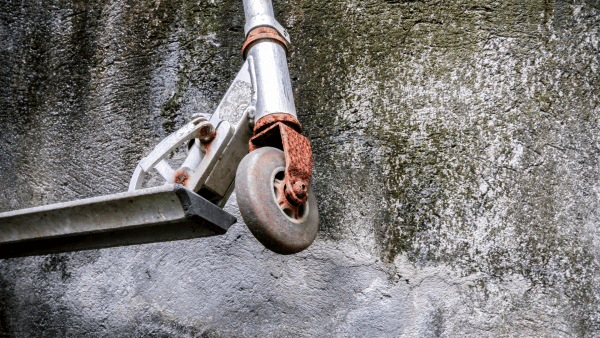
[{"x": 456, "y": 165}]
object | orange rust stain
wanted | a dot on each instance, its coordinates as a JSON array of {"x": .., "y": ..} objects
[
  {"x": 263, "y": 33},
  {"x": 181, "y": 177},
  {"x": 297, "y": 150}
]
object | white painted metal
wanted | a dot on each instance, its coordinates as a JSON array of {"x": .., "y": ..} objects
[{"x": 156, "y": 159}]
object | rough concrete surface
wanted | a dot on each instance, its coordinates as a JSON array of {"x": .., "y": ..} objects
[{"x": 456, "y": 143}]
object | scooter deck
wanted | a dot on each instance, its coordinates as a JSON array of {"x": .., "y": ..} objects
[{"x": 166, "y": 213}]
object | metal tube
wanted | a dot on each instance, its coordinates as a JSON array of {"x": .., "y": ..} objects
[
  {"x": 273, "y": 85},
  {"x": 259, "y": 13},
  {"x": 253, "y": 8}
]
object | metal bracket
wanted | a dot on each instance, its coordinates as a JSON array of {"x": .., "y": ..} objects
[
  {"x": 261, "y": 34},
  {"x": 283, "y": 131},
  {"x": 215, "y": 152},
  {"x": 198, "y": 128}
]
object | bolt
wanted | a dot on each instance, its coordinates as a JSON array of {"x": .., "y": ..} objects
[
  {"x": 182, "y": 178},
  {"x": 207, "y": 133},
  {"x": 299, "y": 189}
]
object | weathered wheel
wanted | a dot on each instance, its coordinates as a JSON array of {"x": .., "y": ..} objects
[{"x": 258, "y": 183}]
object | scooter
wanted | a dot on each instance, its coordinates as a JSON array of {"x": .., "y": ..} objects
[{"x": 252, "y": 144}]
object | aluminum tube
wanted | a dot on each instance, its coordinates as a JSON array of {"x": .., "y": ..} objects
[
  {"x": 259, "y": 13},
  {"x": 253, "y": 8},
  {"x": 273, "y": 85}
]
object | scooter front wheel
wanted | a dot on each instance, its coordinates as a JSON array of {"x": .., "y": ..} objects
[{"x": 258, "y": 183}]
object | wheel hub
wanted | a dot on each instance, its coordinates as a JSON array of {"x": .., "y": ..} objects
[{"x": 294, "y": 213}]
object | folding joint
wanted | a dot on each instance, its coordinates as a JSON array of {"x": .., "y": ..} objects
[{"x": 282, "y": 131}]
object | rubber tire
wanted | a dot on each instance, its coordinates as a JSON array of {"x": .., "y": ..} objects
[{"x": 264, "y": 218}]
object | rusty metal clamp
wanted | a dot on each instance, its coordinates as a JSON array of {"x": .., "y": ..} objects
[
  {"x": 282, "y": 131},
  {"x": 263, "y": 33}
]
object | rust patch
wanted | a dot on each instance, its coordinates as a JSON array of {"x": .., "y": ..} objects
[
  {"x": 284, "y": 203},
  {"x": 263, "y": 33},
  {"x": 267, "y": 120},
  {"x": 281, "y": 131},
  {"x": 298, "y": 164},
  {"x": 181, "y": 177},
  {"x": 269, "y": 137},
  {"x": 207, "y": 133}
]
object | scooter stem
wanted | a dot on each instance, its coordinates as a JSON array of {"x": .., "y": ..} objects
[
  {"x": 254, "y": 8},
  {"x": 268, "y": 57},
  {"x": 276, "y": 123}
]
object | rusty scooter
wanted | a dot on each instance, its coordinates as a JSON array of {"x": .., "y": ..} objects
[{"x": 252, "y": 144}]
